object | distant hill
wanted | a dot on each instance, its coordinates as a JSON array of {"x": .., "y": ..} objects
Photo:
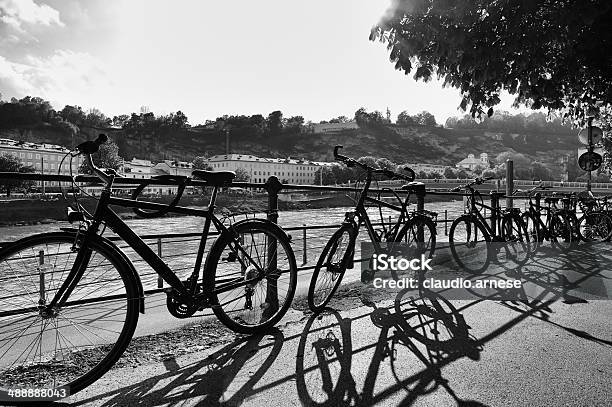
[{"x": 399, "y": 144}]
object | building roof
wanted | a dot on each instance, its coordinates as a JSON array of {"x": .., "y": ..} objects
[
  {"x": 252, "y": 158},
  {"x": 54, "y": 148}
]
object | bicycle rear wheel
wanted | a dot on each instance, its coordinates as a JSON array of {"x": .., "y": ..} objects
[
  {"x": 330, "y": 268},
  {"x": 533, "y": 230},
  {"x": 424, "y": 244},
  {"x": 470, "y": 244},
  {"x": 75, "y": 343},
  {"x": 595, "y": 227},
  {"x": 517, "y": 244},
  {"x": 561, "y": 232},
  {"x": 252, "y": 276}
]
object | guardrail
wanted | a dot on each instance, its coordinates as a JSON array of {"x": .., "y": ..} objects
[{"x": 300, "y": 233}]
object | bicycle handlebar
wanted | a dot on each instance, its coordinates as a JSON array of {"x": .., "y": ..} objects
[
  {"x": 477, "y": 181},
  {"x": 90, "y": 147}
]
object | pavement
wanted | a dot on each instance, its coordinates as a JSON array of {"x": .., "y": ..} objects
[{"x": 399, "y": 347}]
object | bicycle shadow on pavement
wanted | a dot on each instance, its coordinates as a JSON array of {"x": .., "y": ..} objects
[
  {"x": 426, "y": 328},
  {"x": 226, "y": 377}
]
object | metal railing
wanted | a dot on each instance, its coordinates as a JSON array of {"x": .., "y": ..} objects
[{"x": 307, "y": 248}]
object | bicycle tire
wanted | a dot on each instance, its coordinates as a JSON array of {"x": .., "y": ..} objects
[
  {"x": 514, "y": 230},
  {"x": 595, "y": 227},
  {"x": 409, "y": 234},
  {"x": 344, "y": 234},
  {"x": 458, "y": 242},
  {"x": 533, "y": 230},
  {"x": 218, "y": 272},
  {"x": 81, "y": 365},
  {"x": 561, "y": 232}
]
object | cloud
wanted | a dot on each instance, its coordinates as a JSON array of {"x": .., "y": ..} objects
[
  {"x": 65, "y": 76},
  {"x": 16, "y": 12}
]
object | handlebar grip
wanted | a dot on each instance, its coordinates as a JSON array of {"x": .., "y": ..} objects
[
  {"x": 410, "y": 176},
  {"x": 336, "y": 148}
]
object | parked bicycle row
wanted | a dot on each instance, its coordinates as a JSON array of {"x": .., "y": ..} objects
[{"x": 71, "y": 299}]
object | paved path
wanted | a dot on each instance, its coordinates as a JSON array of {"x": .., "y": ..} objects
[{"x": 554, "y": 349}]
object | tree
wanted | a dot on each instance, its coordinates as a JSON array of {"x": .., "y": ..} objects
[
  {"x": 550, "y": 54},
  {"x": 449, "y": 173},
  {"x": 242, "y": 175},
  {"x": 10, "y": 163},
  {"x": 201, "y": 163},
  {"x": 404, "y": 119},
  {"x": 340, "y": 119},
  {"x": 275, "y": 122},
  {"x": 106, "y": 157},
  {"x": 425, "y": 119},
  {"x": 294, "y": 124}
]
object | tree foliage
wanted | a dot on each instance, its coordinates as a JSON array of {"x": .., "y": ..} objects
[
  {"x": 502, "y": 121},
  {"x": 549, "y": 54},
  {"x": 10, "y": 163}
]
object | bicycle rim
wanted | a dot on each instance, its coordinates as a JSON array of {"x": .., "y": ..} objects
[
  {"x": 330, "y": 268},
  {"x": 262, "y": 273},
  {"x": 75, "y": 343},
  {"x": 470, "y": 245}
]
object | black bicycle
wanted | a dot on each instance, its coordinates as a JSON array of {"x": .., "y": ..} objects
[
  {"x": 417, "y": 232},
  {"x": 71, "y": 299},
  {"x": 474, "y": 242},
  {"x": 547, "y": 222}
]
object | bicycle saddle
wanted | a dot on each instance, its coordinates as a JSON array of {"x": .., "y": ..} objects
[
  {"x": 412, "y": 186},
  {"x": 215, "y": 178}
]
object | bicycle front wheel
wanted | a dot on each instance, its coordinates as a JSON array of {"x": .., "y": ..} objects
[
  {"x": 419, "y": 235},
  {"x": 75, "y": 342},
  {"x": 330, "y": 268},
  {"x": 253, "y": 277}
]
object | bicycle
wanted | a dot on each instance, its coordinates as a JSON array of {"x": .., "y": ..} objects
[
  {"x": 72, "y": 298},
  {"x": 595, "y": 224},
  {"x": 471, "y": 237},
  {"x": 556, "y": 227},
  {"x": 416, "y": 229}
]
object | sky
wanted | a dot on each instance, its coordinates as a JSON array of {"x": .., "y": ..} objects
[{"x": 310, "y": 58}]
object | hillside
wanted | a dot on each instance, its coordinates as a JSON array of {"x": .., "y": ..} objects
[{"x": 399, "y": 144}]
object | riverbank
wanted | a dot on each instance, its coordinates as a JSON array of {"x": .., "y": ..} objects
[{"x": 36, "y": 211}]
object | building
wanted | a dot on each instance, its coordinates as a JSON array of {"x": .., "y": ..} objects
[
  {"x": 44, "y": 158},
  {"x": 173, "y": 167},
  {"x": 137, "y": 168},
  {"x": 471, "y": 162},
  {"x": 289, "y": 171},
  {"x": 334, "y": 127}
]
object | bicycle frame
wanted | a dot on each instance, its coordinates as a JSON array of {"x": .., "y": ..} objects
[
  {"x": 363, "y": 217},
  {"x": 475, "y": 211},
  {"x": 104, "y": 213}
]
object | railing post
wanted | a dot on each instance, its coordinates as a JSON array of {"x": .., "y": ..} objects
[
  {"x": 509, "y": 182},
  {"x": 420, "y": 194},
  {"x": 494, "y": 209},
  {"x": 304, "y": 254},
  {"x": 445, "y": 222},
  {"x": 273, "y": 186},
  {"x": 160, "y": 281}
]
